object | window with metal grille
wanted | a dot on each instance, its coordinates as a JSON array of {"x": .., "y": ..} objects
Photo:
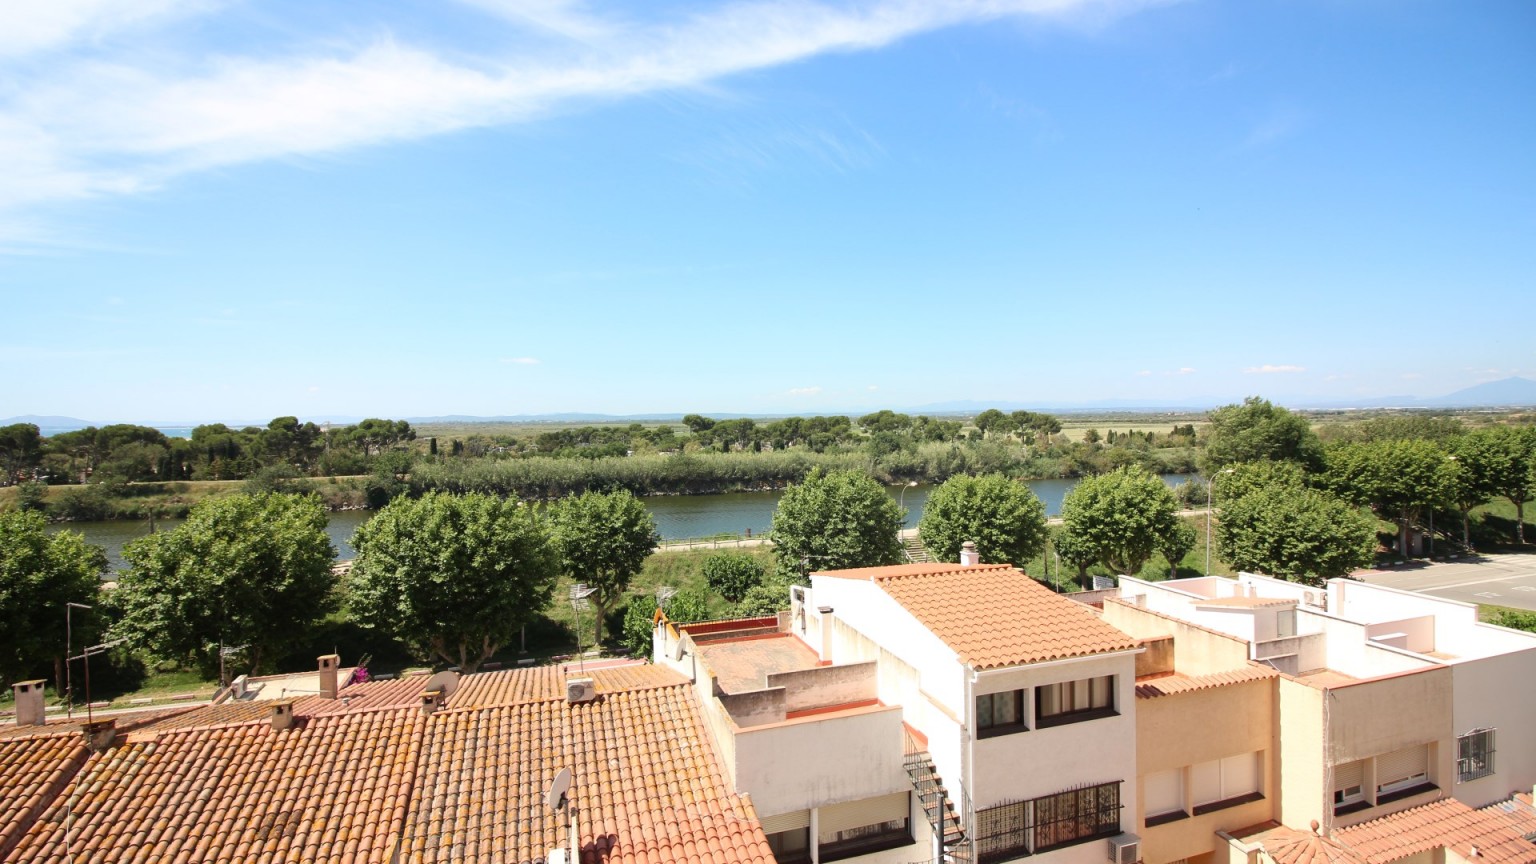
[
  {"x": 1474, "y": 755},
  {"x": 1021, "y": 828}
]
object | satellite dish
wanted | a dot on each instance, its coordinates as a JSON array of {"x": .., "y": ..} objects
[
  {"x": 555, "y": 798},
  {"x": 446, "y": 681}
]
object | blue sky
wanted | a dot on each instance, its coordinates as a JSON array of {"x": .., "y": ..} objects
[{"x": 222, "y": 210}]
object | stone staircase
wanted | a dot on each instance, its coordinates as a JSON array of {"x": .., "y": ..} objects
[{"x": 914, "y": 549}]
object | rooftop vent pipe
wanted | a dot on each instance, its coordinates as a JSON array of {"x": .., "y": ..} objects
[{"x": 969, "y": 557}]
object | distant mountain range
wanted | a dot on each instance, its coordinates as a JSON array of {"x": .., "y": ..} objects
[{"x": 1505, "y": 393}]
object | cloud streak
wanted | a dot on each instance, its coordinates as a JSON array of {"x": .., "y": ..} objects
[
  {"x": 99, "y": 119},
  {"x": 1269, "y": 369}
]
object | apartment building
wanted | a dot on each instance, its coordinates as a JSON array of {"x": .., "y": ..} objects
[
  {"x": 1387, "y": 700},
  {"x": 1009, "y": 709}
]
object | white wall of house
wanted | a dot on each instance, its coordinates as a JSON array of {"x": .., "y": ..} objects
[
  {"x": 1498, "y": 693},
  {"x": 815, "y": 762}
]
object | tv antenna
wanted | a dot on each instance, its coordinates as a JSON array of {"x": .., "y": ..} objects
[
  {"x": 663, "y": 594},
  {"x": 579, "y": 594}
]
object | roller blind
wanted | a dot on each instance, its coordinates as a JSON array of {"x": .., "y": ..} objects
[
  {"x": 1345, "y": 776},
  {"x": 787, "y": 821},
  {"x": 1402, "y": 764},
  {"x": 856, "y": 814},
  {"x": 1165, "y": 792},
  {"x": 1239, "y": 775},
  {"x": 1205, "y": 782}
]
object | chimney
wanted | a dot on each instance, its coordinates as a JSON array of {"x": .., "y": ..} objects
[
  {"x": 328, "y": 666},
  {"x": 431, "y": 700},
  {"x": 282, "y": 715},
  {"x": 29, "y": 703},
  {"x": 824, "y": 622},
  {"x": 969, "y": 557},
  {"x": 100, "y": 734}
]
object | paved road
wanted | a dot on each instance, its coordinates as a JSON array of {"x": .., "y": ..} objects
[{"x": 1506, "y": 579}]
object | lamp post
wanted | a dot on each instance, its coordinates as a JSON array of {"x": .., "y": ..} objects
[
  {"x": 69, "y": 647},
  {"x": 901, "y": 500},
  {"x": 1210, "y": 515}
]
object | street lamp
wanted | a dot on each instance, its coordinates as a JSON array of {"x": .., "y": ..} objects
[
  {"x": 1210, "y": 515},
  {"x": 901, "y": 499}
]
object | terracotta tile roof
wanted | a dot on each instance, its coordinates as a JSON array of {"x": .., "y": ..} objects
[
  {"x": 647, "y": 785},
  {"x": 333, "y": 788},
  {"x": 1245, "y": 602},
  {"x": 35, "y": 768},
  {"x": 1446, "y": 823},
  {"x": 1518, "y": 812},
  {"x": 398, "y": 693},
  {"x": 993, "y": 615},
  {"x": 124, "y": 721},
  {"x": 1289, "y": 846},
  {"x": 1168, "y": 685},
  {"x": 513, "y": 686}
]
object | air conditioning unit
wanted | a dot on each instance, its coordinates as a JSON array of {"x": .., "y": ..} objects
[
  {"x": 580, "y": 690},
  {"x": 1314, "y": 598},
  {"x": 1125, "y": 849}
]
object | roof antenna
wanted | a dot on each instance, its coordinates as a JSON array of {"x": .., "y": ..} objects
[{"x": 558, "y": 799}]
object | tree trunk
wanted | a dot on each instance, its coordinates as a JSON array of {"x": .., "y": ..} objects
[
  {"x": 1466, "y": 529},
  {"x": 1520, "y": 521},
  {"x": 597, "y": 639},
  {"x": 1402, "y": 535}
]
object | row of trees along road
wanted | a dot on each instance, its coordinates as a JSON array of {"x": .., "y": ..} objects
[{"x": 451, "y": 577}]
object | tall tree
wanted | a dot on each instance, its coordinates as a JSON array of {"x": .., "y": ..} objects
[
  {"x": 836, "y": 520},
  {"x": 1002, "y": 517},
  {"x": 1471, "y": 480},
  {"x": 1176, "y": 544},
  {"x": 1257, "y": 430},
  {"x": 1397, "y": 479},
  {"x": 452, "y": 576},
  {"x": 1302, "y": 535},
  {"x": 39, "y": 573},
  {"x": 244, "y": 569},
  {"x": 603, "y": 539},
  {"x": 1509, "y": 453},
  {"x": 1123, "y": 516},
  {"x": 21, "y": 448}
]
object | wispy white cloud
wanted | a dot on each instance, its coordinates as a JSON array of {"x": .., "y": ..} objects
[
  {"x": 1269, "y": 369},
  {"x": 1144, "y": 373},
  {"x": 804, "y": 391},
  {"x": 520, "y": 361},
  {"x": 107, "y": 121},
  {"x": 1186, "y": 370}
]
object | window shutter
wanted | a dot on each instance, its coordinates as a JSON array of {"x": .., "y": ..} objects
[
  {"x": 1402, "y": 764},
  {"x": 1345, "y": 776},
  {"x": 857, "y": 814},
  {"x": 787, "y": 821},
  {"x": 1239, "y": 775},
  {"x": 1164, "y": 792},
  {"x": 1205, "y": 782}
]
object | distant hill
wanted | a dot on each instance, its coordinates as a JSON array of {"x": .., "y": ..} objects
[
  {"x": 1504, "y": 393},
  {"x": 49, "y": 422}
]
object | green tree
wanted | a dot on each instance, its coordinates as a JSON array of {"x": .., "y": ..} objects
[
  {"x": 640, "y": 617},
  {"x": 1257, "y": 430},
  {"x": 1075, "y": 550},
  {"x": 1509, "y": 457},
  {"x": 1122, "y": 516},
  {"x": 21, "y": 449},
  {"x": 1243, "y": 478},
  {"x": 1176, "y": 544},
  {"x": 603, "y": 539},
  {"x": 992, "y": 420},
  {"x": 1002, "y": 516},
  {"x": 1298, "y": 534},
  {"x": 39, "y": 573},
  {"x": 1470, "y": 481},
  {"x": 732, "y": 574},
  {"x": 1397, "y": 479},
  {"x": 835, "y": 520},
  {"x": 245, "y": 569},
  {"x": 452, "y": 576}
]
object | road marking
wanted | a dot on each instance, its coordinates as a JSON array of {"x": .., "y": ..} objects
[
  {"x": 1486, "y": 594},
  {"x": 1525, "y": 588}
]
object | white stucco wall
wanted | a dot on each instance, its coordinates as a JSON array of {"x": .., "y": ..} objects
[
  {"x": 811, "y": 763},
  {"x": 1498, "y": 692}
]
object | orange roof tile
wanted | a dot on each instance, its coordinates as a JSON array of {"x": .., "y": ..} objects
[
  {"x": 1446, "y": 823},
  {"x": 512, "y": 686},
  {"x": 993, "y": 615},
  {"x": 333, "y": 788},
  {"x": 35, "y": 768},
  {"x": 1289, "y": 846},
  {"x": 1518, "y": 812},
  {"x": 1168, "y": 685},
  {"x": 1246, "y": 602},
  {"x": 646, "y": 784}
]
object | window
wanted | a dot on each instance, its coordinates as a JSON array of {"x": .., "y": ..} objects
[
  {"x": 1226, "y": 782},
  {"x": 1474, "y": 755},
  {"x": 1000, "y": 713},
  {"x": 1285, "y": 623},
  {"x": 862, "y": 827},
  {"x": 792, "y": 846},
  {"x": 1164, "y": 795},
  {"x": 1402, "y": 771},
  {"x": 1348, "y": 784},
  {"x": 1020, "y": 828},
  {"x": 1073, "y": 701}
]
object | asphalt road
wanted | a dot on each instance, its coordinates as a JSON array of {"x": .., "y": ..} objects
[{"x": 1505, "y": 579}]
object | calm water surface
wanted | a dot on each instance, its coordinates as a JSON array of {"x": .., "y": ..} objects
[{"x": 677, "y": 516}]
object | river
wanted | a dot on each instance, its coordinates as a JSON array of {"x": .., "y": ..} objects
[{"x": 677, "y": 517}]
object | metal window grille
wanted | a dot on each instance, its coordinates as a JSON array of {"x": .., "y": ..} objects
[
  {"x": 1474, "y": 755},
  {"x": 1018, "y": 828}
]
